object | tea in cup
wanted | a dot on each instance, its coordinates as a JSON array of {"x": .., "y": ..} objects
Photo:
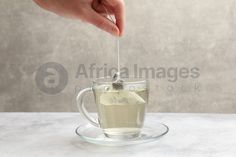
[{"x": 121, "y": 111}]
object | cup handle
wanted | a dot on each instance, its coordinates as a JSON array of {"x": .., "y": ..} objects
[{"x": 82, "y": 109}]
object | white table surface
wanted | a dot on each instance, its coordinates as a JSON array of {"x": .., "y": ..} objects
[{"x": 52, "y": 135}]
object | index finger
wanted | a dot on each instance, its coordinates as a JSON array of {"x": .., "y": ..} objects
[{"x": 119, "y": 12}]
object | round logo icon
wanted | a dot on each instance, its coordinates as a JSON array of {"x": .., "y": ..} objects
[{"x": 51, "y": 78}]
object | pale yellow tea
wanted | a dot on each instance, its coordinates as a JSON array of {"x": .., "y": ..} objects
[{"x": 121, "y": 112}]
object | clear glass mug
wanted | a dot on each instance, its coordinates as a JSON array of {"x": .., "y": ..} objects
[{"x": 121, "y": 112}]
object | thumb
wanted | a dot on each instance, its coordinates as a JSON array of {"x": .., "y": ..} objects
[{"x": 102, "y": 22}]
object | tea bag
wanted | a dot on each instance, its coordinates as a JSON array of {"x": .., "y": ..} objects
[
  {"x": 121, "y": 97},
  {"x": 117, "y": 83}
]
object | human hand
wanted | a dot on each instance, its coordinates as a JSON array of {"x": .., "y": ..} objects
[{"x": 91, "y": 11}]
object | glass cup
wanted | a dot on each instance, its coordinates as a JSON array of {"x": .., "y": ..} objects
[{"x": 121, "y": 111}]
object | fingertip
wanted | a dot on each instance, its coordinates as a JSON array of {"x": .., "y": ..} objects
[
  {"x": 119, "y": 12},
  {"x": 121, "y": 33},
  {"x": 115, "y": 31}
]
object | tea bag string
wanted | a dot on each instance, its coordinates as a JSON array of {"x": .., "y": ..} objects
[{"x": 117, "y": 74}]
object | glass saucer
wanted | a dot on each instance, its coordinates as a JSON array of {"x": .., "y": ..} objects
[{"x": 95, "y": 135}]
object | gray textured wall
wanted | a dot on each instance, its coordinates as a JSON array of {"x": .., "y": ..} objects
[{"x": 159, "y": 33}]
